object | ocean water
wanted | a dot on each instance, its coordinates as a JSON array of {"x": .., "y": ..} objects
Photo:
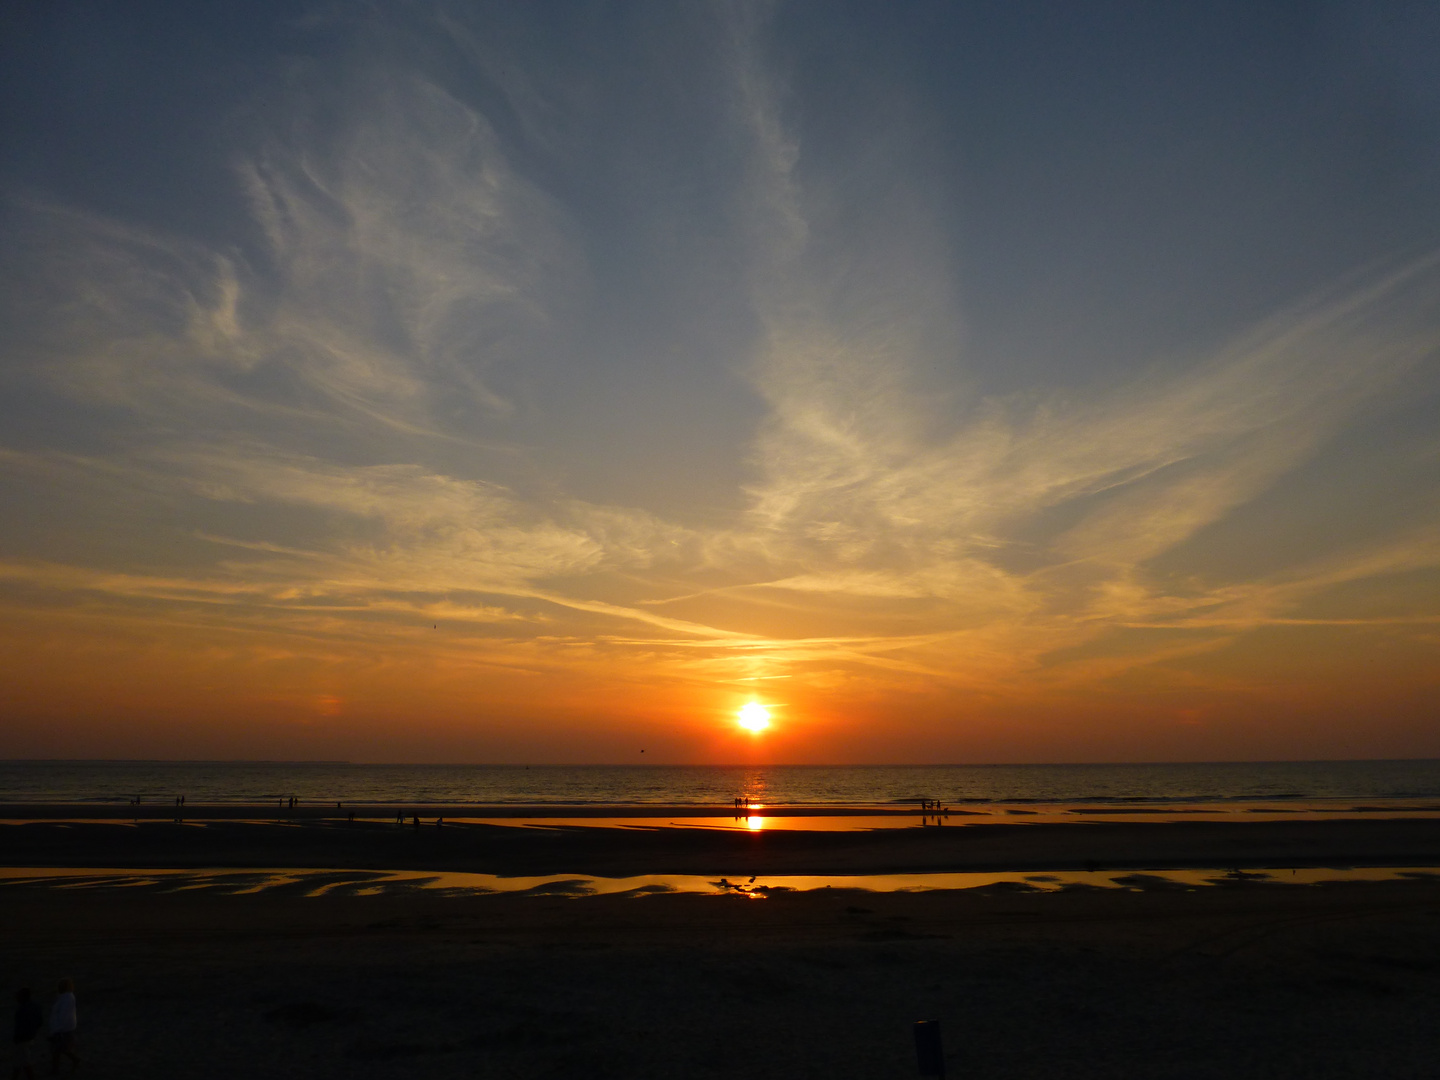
[{"x": 706, "y": 785}]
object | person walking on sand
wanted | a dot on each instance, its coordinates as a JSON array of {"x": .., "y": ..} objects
[
  {"x": 63, "y": 1023},
  {"x": 28, "y": 1022}
]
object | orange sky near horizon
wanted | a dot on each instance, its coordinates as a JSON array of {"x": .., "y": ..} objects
[{"x": 96, "y": 683}]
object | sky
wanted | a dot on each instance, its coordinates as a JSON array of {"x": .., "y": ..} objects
[{"x": 494, "y": 382}]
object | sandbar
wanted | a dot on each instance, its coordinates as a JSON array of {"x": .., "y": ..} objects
[{"x": 626, "y": 851}]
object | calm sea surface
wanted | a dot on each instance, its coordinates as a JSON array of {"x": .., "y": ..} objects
[{"x": 701, "y": 785}]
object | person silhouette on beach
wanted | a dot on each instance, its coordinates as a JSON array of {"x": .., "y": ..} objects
[
  {"x": 63, "y": 1022},
  {"x": 28, "y": 1022}
]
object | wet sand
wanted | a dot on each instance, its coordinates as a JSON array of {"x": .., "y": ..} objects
[
  {"x": 1241, "y": 980},
  {"x": 624, "y": 852}
]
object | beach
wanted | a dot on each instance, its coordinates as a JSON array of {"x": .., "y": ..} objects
[
  {"x": 1248, "y": 976},
  {"x": 324, "y": 837}
]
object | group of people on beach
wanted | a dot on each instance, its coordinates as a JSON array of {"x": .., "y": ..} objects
[{"x": 30, "y": 1018}]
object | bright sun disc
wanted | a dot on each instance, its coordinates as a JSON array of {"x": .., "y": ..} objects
[{"x": 754, "y": 717}]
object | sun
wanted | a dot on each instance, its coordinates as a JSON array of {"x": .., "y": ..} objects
[{"x": 754, "y": 716}]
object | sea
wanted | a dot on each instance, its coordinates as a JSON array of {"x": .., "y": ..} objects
[{"x": 559, "y": 786}]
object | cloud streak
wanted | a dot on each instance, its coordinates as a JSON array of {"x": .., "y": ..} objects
[{"x": 339, "y": 423}]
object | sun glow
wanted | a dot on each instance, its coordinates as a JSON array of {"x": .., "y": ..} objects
[{"x": 754, "y": 717}]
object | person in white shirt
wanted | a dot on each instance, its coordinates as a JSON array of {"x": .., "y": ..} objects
[{"x": 63, "y": 1023}]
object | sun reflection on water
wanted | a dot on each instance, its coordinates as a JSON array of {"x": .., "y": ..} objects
[{"x": 755, "y": 824}]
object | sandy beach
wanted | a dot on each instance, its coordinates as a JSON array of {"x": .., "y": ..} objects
[
  {"x": 1235, "y": 980},
  {"x": 73, "y": 837}
]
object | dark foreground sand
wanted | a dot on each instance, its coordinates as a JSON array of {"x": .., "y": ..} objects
[{"x": 1240, "y": 981}]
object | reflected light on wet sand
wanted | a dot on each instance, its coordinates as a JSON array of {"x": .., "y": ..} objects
[{"x": 317, "y": 882}]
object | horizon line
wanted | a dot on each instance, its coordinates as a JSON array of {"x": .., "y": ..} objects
[{"x": 700, "y": 765}]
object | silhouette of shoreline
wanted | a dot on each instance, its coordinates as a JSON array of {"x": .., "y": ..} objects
[{"x": 628, "y": 851}]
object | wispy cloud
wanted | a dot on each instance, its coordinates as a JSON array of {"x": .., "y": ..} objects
[{"x": 330, "y": 405}]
